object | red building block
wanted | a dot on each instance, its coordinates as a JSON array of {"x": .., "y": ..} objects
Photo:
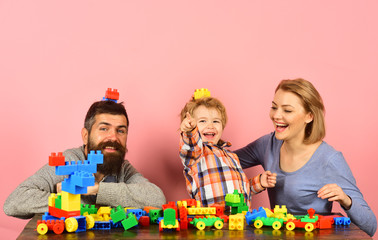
[
  {"x": 56, "y": 160},
  {"x": 112, "y": 94},
  {"x": 144, "y": 221},
  {"x": 56, "y": 212}
]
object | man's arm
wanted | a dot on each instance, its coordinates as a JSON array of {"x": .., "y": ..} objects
[
  {"x": 31, "y": 196},
  {"x": 131, "y": 190}
]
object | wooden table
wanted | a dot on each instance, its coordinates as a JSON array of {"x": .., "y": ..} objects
[{"x": 152, "y": 232}]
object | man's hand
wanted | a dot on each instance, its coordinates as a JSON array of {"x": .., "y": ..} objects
[
  {"x": 188, "y": 124},
  {"x": 92, "y": 190},
  {"x": 268, "y": 179},
  {"x": 59, "y": 187},
  {"x": 333, "y": 192}
]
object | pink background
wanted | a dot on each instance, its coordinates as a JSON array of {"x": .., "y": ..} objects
[{"x": 56, "y": 58}]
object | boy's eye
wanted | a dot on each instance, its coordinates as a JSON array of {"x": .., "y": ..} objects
[{"x": 202, "y": 121}]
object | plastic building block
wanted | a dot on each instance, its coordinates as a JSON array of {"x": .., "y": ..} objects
[
  {"x": 275, "y": 223},
  {"x": 236, "y": 202},
  {"x": 82, "y": 179},
  {"x": 54, "y": 225},
  {"x": 251, "y": 216},
  {"x": 236, "y": 222},
  {"x": 148, "y": 208},
  {"x": 118, "y": 214},
  {"x": 155, "y": 214},
  {"x": 102, "y": 225},
  {"x": 200, "y": 93},
  {"x": 104, "y": 212},
  {"x": 95, "y": 157},
  {"x": 130, "y": 221},
  {"x": 219, "y": 209},
  {"x": 68, "y": 185},
  {"x": 137, "y": 212},
  {"x": 169, "y": 220},
  {"x": 201, "y": 223},
  {"x": 59, "y": 213},
  {"x": 144, "y": 221},
  {"x": 112, "y": 94},
  {"x": 202, "y": 211},
  {"x": 70, "y": 202},
  {"x": 56, "y": 160},
  {"x": 342, "y": 221},
  {"x": 86, "y": 208}
]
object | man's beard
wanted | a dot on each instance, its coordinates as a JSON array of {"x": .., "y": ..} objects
[{"x": 112, "y": 161}]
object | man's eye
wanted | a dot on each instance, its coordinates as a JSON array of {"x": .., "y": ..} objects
[
  {"x": 103, "y": 129},
  {"x": 121, "y": 131}
]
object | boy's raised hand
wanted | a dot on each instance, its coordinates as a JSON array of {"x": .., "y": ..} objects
[
  {"x": 188, "y": 124},
  {"x": 268, "y": 179}
]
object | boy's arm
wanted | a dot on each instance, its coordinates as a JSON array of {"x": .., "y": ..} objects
[{"x": 190, "y": 147}]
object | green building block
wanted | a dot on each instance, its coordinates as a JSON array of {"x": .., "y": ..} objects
[
  {"x": 155, "y": 214},
  {"x": 169, "y": 216},
  {"x": 130, "y": 221},
  {"x": 86, "y": 208},
  {"x": 118, "y": 214},
  {"x": 58, "y": 202}
]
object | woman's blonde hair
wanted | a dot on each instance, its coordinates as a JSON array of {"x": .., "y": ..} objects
[{"x": 312, "y": 103}]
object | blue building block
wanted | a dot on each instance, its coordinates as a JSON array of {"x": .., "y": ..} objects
[
  {"x": 102, "y": 225},
  {"x": 96, "y": 158},
  {"x": 82, "y": 224},
  {"x": 86, "y": 166},
  {"x": 342, "y": 220},
  {"x": 47, "y": 216},
  {"x": 67, "y": 169},
  {"x": 137, "y": 212},
  {"x": 108, "y": 99},
  {"x": 82, "y": 179},
  {"x": 115, "y": 225},
  {"x": 70, "y": 187},
  {"x": 250, "y": 216}
]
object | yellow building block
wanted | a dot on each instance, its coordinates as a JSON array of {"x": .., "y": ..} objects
[
  {"x": 278, "y": 209},
  {"x": 104, "y": 212},
  {"x": 202, "y": 211},
  {"x": 200, "y": 93},
  {"x": 236, "y": 222},
  {"x": 52, "y": 198},
  {"x": 70, "y": 202},
  {"x": 269, "y": 213}
]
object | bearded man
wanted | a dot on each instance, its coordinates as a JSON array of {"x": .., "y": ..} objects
[{"x": 117, "y": 182}]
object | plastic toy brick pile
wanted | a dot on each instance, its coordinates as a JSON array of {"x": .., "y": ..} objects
[{"x": 67, "y": 213}]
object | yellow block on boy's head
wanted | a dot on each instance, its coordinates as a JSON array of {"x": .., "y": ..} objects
[{"x": 200, "y": 93}]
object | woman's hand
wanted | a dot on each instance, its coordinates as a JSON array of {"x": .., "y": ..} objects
[{"x": 333, "y": 192}]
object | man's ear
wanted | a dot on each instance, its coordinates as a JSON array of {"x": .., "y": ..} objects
[{"x": 84, "y": 136}]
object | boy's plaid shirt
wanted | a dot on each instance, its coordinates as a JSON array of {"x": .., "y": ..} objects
[{"x": 211, "y": 171}]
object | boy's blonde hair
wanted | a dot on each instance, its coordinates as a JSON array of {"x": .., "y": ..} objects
[
  {"x": 208, "y": 102},
  {"x": 312, "y": 103}
]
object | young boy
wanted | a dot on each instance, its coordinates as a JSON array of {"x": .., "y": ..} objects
[{"x": 211, "y": 171}]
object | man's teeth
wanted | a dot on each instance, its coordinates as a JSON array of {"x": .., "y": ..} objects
[{"x": 110, "y": 147}]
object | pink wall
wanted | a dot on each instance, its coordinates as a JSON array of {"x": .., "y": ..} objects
[{"x": 55, "y": 60}]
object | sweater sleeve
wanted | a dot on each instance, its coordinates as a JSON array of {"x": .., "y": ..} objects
[
  {"x": 31, "y": 196},
  {"x": 132, "y": 190},
  {"x": 253, "y": 154},
  {"x": 360, "y": 213}
]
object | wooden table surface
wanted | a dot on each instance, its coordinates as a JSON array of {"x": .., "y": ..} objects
[{"x": 152, "y": 232}]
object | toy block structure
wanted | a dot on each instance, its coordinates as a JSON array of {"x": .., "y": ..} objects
[
  {"x": 111, "y": 95},
  {"x": 200, "y": 93},
  {"x": 202, "y": 211},
  {"x": 236, "y": 202},
  {"x": 67, "y": 204},
  {"x": 342, "y": 221}
]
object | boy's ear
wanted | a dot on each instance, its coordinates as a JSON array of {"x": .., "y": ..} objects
[{"x": 84, "y": 136}]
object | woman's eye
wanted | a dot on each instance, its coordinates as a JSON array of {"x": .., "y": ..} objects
[{"x": 274, "y": 108}]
